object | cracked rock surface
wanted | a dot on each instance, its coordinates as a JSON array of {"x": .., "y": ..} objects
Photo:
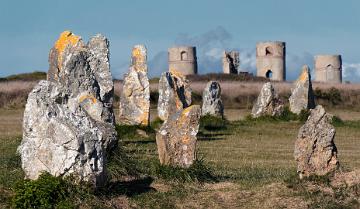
[
  {"x": 267, "y": 103},
  {"x": 174, "y": 93},
  {"x": 135, "y": 96},
  {"x": 315, "y": 151},
  {"x": 302, "y": 95},
  {"x": 176, "y": 139},
  {"x": 68, "y": 125},
  {"x": 212, "y": 103}
]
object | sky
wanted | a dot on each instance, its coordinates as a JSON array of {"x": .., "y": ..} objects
[{"x": 28, "y": 29}]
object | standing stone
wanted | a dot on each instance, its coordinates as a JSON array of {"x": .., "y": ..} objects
[
  {"x": 315, "y": 150},
  {"x": 176, "y": 139},
  {"x": 302, "y": 96},
  {"x": 267, "y": 103},
  {"x": 212, "y": 104},
  {"x": 231, "y": 62},
  {"x": 135, "y": 96},
  {"x": 68, "y": 125},
  {"x": 174, "y": 94}
]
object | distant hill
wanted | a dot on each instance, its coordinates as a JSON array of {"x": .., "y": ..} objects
[{"x": 34, "y": 76}]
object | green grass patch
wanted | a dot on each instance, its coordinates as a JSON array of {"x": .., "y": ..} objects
[{"x": 212, "y": 123}]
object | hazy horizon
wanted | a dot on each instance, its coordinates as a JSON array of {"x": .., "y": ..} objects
[{"x": 30, "y": 29}]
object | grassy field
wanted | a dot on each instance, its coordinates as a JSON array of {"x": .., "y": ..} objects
[{"x": 250, "y": 163}]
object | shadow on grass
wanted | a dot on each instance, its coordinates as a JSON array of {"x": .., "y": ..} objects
[{"x": 129, "y": 188}]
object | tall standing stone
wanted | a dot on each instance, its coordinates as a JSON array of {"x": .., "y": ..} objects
[
  {"x": 212, "y": 103},
  {"x": 302, "y": 95},
  {"x": 176, "y": 140},
  {"x": 135, "y": 96},
  {"x": 68, "y": 125},
  {"x": 315, "y": 150},
  {"x": 174, "y": 93},
  {"x": 267, "y": 103}
]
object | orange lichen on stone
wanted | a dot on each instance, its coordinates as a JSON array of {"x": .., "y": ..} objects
[
  {"x": 304, "y": 75},
  {"x": 176, "y": 73},
  {"x": 88, "y": 96},
  {"x": 66, "y": 38}
]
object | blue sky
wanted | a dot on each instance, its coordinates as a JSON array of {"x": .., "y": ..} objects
[{"x": 28, "y": 29}]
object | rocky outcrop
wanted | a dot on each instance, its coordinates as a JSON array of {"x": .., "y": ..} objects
[
  {"x": 302, "y": 96},
  {"x": 176, "y": 140},
  {"x": 212, "y": 103},
  {"x": 267, "y": 103},
  {"x": 135, "y": 96},
  {"x": 68, "y": 125},
  {"x": 315, "y": 150},
  {"x": 174, "y": 94}
]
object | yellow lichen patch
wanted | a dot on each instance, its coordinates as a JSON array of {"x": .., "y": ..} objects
[
  {"x": 304, "y": 75},
  {"x": 144, "y": 118},
  {"x": 87, "y": 96},
  {"x": 176, "y": 73},
  {"x": 136, "y": 52},
  {"x": 66, "y": 38}
]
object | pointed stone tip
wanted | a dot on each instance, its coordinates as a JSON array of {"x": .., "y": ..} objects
[
  {"x": 176, "y": 73},
  {"x": 66, "y": 38},
  {"x": 304, "y": 73}
]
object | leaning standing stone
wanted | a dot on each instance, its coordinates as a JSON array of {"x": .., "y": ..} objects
[
  {"x": 135, "y": 96},
  {"x": 212, "y": 104},
  {"x": 267, "y": 103},
  {"x": 174, "y": 94},
  {"x": 302, "y": 96},
  {"x": 68, "y": 125},
  {"x": 176, "y": 140},
  {"x": 315, "y": 150}
]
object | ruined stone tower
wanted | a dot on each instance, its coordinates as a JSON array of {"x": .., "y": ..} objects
[
  {"x": 328, "y": 68},
  {"x": 270, "y": 60},
  {"x": 231, "y": 62},
  {"x": 183, "y": 59}
]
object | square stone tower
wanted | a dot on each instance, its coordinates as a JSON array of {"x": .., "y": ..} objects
[
  {"x": 231, "y": 62},
  {"x": 183, "y": 59},
  {"x": 270, "y": 60},
  {"x": 328, "y": 68}
]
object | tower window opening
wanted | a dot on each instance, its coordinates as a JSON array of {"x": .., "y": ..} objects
[
  {"x": 268, "y": 51},
  {"x": 268, "y": 74},
  {"x": 183, "y": 55}
]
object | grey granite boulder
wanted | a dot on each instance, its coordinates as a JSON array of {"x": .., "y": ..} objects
[
  {"x": 135, "y": 96},
  {"x": 212, "y": 103},
  {"x": 174, "y": 93},
  {"x": 176, "y": 139},
  {"x": 302, "y": 96},
  {"x": 68, "y": 125},
  {"x": 267, "y": 103},
  {"x": 315, "y": 150}
]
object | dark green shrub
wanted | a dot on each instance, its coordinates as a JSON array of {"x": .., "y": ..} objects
[
  {"x": 45, "y": 192},
  {"x": 336, "y": 121},
  {"x": 332, "y": 95},
  {"x": 212, "y": 123},
  {"x": 304, "y": 114},
  {"x": 156, "y": 123},
  {"x": 287, "y": 115},
  {"x": 131, "y": 132},
  {"x": 196, "y": 98}
]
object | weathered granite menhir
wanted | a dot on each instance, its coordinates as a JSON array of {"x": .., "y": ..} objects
[
  {"x": 135, "y": 96},
  {"x": 176, "y": 139},
  {"x": 174, "y": 93},
  {"x": 68, "y": 125},
  {"x": 315, "y": 150},
  {"x": 212, "y": 103},
  {"x": 302, "y": 95},
  {"x": 267, "y": 103}
]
